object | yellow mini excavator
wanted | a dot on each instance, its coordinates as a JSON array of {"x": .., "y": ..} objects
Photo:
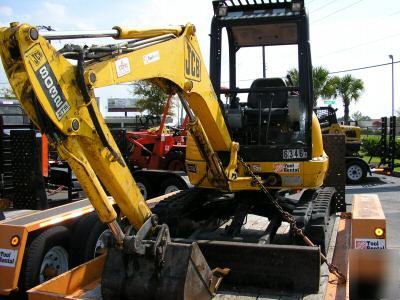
[{"x": 262, "y": 155}]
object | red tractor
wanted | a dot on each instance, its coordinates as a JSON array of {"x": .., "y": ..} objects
[
  {"x": 159, "y": 148},
  {"x": 157, "y": 157}
]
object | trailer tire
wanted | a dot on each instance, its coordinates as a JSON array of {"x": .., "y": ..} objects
[
  {"x": 355, "y": 172},
  {"x": 172, "y": 184},
  {"x": 80, "y": 236},
  {"x": 54, "y": 239},
  {"x": 145, "y": 187},
  {"x": 89, "y": 247}
]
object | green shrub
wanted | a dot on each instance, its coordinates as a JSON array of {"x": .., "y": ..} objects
[
  {"x": 370, "y": 146},
  {"x": 397, "y": 148}
]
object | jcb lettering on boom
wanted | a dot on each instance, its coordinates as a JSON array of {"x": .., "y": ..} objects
[
  {"x": 48, "y": 81},
  {"x": 192, "y": 63},
  {"x": 52, "y": 90}
]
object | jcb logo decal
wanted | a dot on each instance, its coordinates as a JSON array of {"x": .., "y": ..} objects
[
  {"x": 36, "y": 57},
  {"x": 192, "y": 63}
]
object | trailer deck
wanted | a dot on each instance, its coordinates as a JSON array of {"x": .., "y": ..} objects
[{"x": 84, "y": 282}]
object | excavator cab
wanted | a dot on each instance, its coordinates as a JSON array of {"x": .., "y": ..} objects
[{"x": 267, "y": 117}]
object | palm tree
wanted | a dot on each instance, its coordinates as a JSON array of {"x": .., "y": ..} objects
[
  {"x": 323, "y": 85},
  {"x": 349, "y": 89}
]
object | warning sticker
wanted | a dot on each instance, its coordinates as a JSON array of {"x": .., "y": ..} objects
[
  {"x": 8, "y": 257},
  {"x": 369, "y": 244},
  {"x": 192, "y": 168},
  {"x": 287, "y": 168},
  {"x": 256, "y": 168},
  {"x": 151, "y": 57},
  {"x": 122, "y": 67},
  {"x": 291, "y": 180}
]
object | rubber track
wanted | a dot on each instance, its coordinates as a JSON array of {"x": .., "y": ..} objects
[
  {"x": 175, "y": 209},
  {"x": 303, "y": 211},
  {"x": 318, "y": 225},
  {"x": 321, "y": 224}
]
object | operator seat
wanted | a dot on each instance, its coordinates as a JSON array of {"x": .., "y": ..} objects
[{"x": 279, "y": 100}]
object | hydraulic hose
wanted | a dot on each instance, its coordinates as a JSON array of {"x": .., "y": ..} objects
[{"x": 92, "y": 113}]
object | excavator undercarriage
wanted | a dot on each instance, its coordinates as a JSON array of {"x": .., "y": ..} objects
[{"x": 224, "y": 237}]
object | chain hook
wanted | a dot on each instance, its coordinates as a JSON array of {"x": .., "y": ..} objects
[{"x": 291, "y": 220}]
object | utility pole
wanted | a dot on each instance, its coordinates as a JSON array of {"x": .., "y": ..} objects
[
  {"x": 263, "y": 61},
  {"x": 391, "y": 57}
]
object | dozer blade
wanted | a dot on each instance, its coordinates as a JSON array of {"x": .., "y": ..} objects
[
  {"x": 282, "y": 267},
  {"x": 184, "y": 275}
]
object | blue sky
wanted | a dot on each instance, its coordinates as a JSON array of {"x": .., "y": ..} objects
[{"x": 345, "y": 34}]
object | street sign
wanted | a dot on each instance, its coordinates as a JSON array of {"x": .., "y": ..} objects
[{"x": 329, "y": 102}]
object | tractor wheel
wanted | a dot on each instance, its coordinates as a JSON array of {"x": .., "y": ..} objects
[{"x": 175, "y": 161}]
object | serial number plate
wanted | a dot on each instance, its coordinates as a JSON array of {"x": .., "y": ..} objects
[{"x": 294, "y": 153}]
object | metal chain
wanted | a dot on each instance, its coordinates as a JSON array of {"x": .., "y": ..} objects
[{"x": 292, "y": 221}]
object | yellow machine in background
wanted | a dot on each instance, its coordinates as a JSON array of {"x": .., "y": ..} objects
[
  {"x": 330, "y": 125},
  {"x": 356, "y": 167},
  {"x": 237, "y": 178}
]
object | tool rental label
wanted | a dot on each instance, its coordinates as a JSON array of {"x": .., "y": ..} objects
[
  {"x": 8, "y": 257},
  {"x": 287, "y": 168},
  {"x": 369, "y": 244}
]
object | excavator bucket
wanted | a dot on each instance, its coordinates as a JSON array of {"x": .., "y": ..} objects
[
  {"x": 185, "y": 274},
  {"x": 255, "y": 266}
]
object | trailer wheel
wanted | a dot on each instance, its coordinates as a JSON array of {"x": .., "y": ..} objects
[
  {"x": 355, "y": 172},
  {"x": 80, "y": 235},
  {"x": 145, "y": 187},
  {"x": 98, "y": 240},
  {"x": 47, "y": 256},
  {"x": 172, "y": 184}
]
